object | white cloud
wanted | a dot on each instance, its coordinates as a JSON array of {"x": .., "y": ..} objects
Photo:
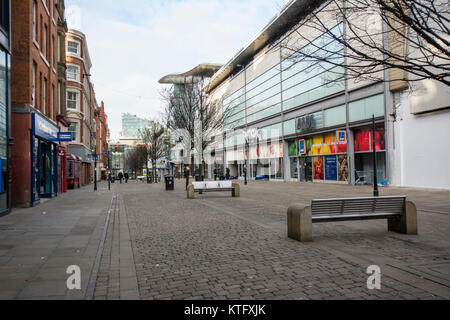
[{"x": 132, "y": 46}]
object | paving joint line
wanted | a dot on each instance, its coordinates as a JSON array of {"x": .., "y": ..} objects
[{"x": 94, "y": 273}]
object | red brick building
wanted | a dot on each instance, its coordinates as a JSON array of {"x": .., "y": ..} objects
[
  {"x": 81, "y": 103},
  {"x": 34, "y": 95},
  {"x": 102, "y": 141}
]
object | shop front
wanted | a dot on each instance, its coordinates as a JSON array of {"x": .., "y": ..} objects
[
  {"x": 319, "y": 158},
  {"x": 5, "y": 59},
  {"x": 62, "y": 170},
  {"x": 270, "y": 160},
  {"x": 44, "y": 159},
  {"x": 363, "y": 148}
]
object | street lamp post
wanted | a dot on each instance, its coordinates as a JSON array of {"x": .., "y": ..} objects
[
  {"x": 187, "y": 176},
  {"x": 246, "y": 157},
  {"x": 95, "y": 171},
  {"x": 375, "y": 178}
]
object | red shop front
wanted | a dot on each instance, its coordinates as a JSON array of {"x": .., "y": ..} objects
[
  {"x": 62, "y": 170},
  {"x": 73, "y": 171}
]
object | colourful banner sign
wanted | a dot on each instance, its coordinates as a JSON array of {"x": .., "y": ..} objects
[{"x": 302, "y": 147}]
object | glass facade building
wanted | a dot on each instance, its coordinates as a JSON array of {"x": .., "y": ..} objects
[
  {"x": 5, "y": 111},
  {"x": 310, "y": 126},
  {"x": 131, "y": 125}
]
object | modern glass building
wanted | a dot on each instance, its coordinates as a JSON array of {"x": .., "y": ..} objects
[
  {"x": 131, "y": 125},
  {"x": 5, "y": 110},
  {"x": 296, "y": 119}
]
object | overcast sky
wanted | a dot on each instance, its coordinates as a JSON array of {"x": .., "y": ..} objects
[{"x": 135, "y": 43}]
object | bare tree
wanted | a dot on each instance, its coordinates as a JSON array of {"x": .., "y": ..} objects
[
  {"x": 409, "y": 38},
  {"x": 137, "y": 158},
  {"x": 191, "y": 111},
  {"x": 154, "y": 138}
]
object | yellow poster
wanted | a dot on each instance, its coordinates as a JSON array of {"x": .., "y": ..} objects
[
  {"x": 329, "y": 146},
  {"x": 317, "y": 147}
]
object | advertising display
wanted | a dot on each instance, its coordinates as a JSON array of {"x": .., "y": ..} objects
[
  {"x": 293, "y": 148},
  {"x": 317, "y": 145},
  {"x": 342, "y": 168},
  {"x": 331, "y": 168},
  {"x": 329, "y": 143},
  {"x": 318, "y": 168},
  {"x": 363, "y": 139}
]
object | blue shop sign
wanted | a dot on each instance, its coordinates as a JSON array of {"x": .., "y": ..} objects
[
  {"x": 44, "y": 129},
  {"x": 65, "y": 136}
]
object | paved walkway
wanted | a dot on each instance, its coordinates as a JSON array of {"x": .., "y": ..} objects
[{"x": 138, "y": 241}]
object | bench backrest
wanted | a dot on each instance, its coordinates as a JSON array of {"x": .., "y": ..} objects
[
  {"x": 367, "y": 205},
  {"x": 212, "y": 185}
]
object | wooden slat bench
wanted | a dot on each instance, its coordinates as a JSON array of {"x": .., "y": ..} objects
[
  {"x": 213, "y": 186},
  {"x": 400, "y": 213}
]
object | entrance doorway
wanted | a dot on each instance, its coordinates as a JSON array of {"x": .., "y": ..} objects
[{"x": 305, "y": 169}]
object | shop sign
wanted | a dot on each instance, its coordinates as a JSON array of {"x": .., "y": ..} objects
[
  {"x": 306, "y": 122},
  {"x": 302, "y": 147},
  {"x": 144, "y": 172},
  {"x": 65, "y": 137},
  {"x": 342, "y": 136},
  {"x": 44, "y": 129},
  {"x": 61, "y": 152},
  {"x": 92, "y": 157}
]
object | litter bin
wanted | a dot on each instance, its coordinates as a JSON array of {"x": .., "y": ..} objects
[
  {"x": 199, "y": 178},
  {"x": 169, "y": 183}
]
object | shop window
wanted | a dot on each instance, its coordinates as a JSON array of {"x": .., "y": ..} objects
[
  {"x": 317, "y": 145},
  {"x": 293, "y": 148},
  {"x": 363, "y": 139},
  {"x": 342, "y": 168},
  {"x": 318, "y": 168},
  {"x": 70, "y": 169},
  {"x": 329, "y": 145},
  {"x": 331, "y": 168}
]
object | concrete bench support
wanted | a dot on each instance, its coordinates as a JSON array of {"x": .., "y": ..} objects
[
  {"x": 299, "y": 222},
  {"x": 407, "y": 223},
  {"x": 236, "y": 190},
  {"x": 190, "y": 192}
]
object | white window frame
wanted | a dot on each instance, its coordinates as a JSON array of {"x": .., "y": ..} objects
[
  {"x": 58, "y": 48},
  {"x": 76, "y": 131},
  {"x": 34, "y": 83},
  {"x": 77, "y": 101},
  {"x": 78, "y": 47},
  {"x": 44, "y": 93},
  {"x": 45, "y": 40},
  {"x": 77, "y": 75},
  {"x": 35, "y": 24},
  {"x": 58, "y": 99}
]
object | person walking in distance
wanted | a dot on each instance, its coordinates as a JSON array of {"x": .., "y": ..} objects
[
  {"x": 228, "y": 174},
  {"x": 120, "y": 176},
  {"x": 126, "y": 177}
]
